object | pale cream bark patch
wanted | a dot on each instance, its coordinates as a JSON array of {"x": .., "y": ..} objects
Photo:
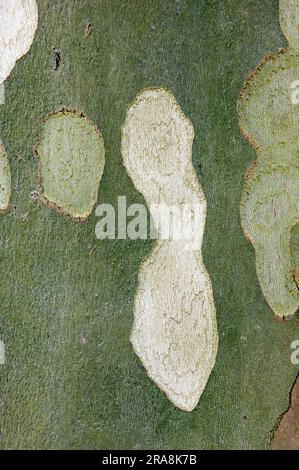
[
  {"x": 289, "y": 21},
  {"x": 18, "y": 23},
  {"x": 5, "y": 180},
  {"x": 2, "y": 353},
  {"x": 268, "y": 116},
  {"x": 2, "y": 93},
  {"x": 175, "y": 328}
]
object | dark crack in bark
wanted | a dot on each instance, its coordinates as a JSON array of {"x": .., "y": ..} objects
[{"x": 285, "y": 435}]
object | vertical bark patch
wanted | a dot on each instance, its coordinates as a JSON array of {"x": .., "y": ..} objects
[
  {"x": 268, "y": 115},
  {"x": 2, "y": 353},
  {"x": 175, "y": 329},
  {"x": 5, "y": 180}
]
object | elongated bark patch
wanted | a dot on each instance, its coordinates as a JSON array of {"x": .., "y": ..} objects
[
  {"x": 175, "y": 330},
  {"x": 269, "y": 112},
  {"x": 2, "y": 353},
  {"x": 5, "y": 180}
]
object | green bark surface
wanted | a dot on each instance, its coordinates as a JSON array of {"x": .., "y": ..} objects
[{"x": 71, "y": 379}]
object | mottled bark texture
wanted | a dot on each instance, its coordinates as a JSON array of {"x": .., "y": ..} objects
[{"x": 71, "y": 378}]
